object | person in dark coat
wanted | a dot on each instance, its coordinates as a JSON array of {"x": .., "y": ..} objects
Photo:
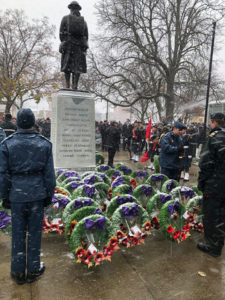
[
  {"x": 186, "y": 155},
  {"x": 112, "y": 141},
  {"x": 27, "y": 182},
  {"x": 7, "y": 125},
  {"x": 103, "y": 130},
  {"x": 171, "y": 146},
  {"x": 46, "y": 128},
  {"x": 2, "y": 135},
  {"x": 211, "y": 182},
  {"x": 127, "y": 135}
]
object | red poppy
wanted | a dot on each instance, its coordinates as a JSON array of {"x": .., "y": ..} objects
[
  {"x": 170, "y": 229},
  {"x": 105, "y": 251},
  {"x": 144, "y": 236},
  {"x": 119, "y": 235},
  {"x": 86, "y": 259},
  {"x": 134, "y": 241},
  {"x": 113, "y": 242},
  {"x": 109, "y": 251},
  {"x": 186, "y": 228},
  {"x": 98, "y": 258},
  {"x": 133, "y": 181},
  {"x": 80, "y": 252},
  {"x": 177, "y": 232},
  {"x": 183, "y": 236},
  {"x": 147, "y": 226},
  {"x": 175, "y": 236},
  {"x": 125, "y": 241}
]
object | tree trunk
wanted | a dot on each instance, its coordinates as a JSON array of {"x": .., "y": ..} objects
[
  {"x": 169, "y": 101},
  {"x": 8, "y": 106}
]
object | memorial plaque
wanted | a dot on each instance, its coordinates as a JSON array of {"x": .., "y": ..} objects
[{"x": 73, "y": 130}]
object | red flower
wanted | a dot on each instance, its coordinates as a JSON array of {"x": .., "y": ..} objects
[
  {"x": 170, "y": 229},
  {"x": 109, "y": 251},
  {"x": 147, "y": 226},
  {"x": 134, "y": 241},
  {"x": 125, "y": 241},
  {"x": 154, "y": 220},
  {"x": 183, "y": 236},
  {"x": 186, "y": 228},
  {"x": 176, "y": 234},
  {"x": 133, "y": 181},
  {"x": 86, "y": 259},
  {"x": 113, "y": 242},
  {"x": 80, "y": 252},
  {"x": 98, "y": 258},
  {"x": 144, "y": 236},
  {"x": 119, "y": 235},
  {"x": 105, "y": 251}
]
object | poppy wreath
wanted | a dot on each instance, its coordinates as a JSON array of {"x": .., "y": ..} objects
[
  {"x": 169, "y": 185},
  {"x": 194, "y": 211},
  {"x": 63, "y": 174},
  {"x": 195, "y": 188},
  {"x": 156, "y": 164},
  {"x": 87, "y": 190},
  {"x": 77, "y": 216},
  {"x": 5, "y": 220},
  {"x": 125, "y": 170},
  {"x": 172, "y": 223},
  {"x": 70, "y": 179},
  {"x": 123, "y": 179},
  {"x": 183, "y": 194},
  {"x": 62, "y": 190},
  {"x": 76, "y": 204},
  {"x": 157, "y": 181},
  {"x": 154, "y": 205},
  {"x": 102, "y": 168},
  {"x": 132, "y": 224},
  {"x": 99, "y": 158},
  {"x": 143, "y": 193},
  {"x": 92, "y": 240},
  {"x": 122, "y": 189},
  {"x": 140, "y": 176},
  {"x": 119, "y": 200}
]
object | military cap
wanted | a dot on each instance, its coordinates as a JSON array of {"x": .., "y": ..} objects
[
  {"x": 179, "y": 125},
  {"x": 217, "y": 116},
  {"x": 74, "y": 4}
]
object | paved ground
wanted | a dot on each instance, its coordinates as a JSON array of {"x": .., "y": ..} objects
[{"x": 158, "y": 270}]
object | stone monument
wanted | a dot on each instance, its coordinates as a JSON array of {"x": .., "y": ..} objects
[{"x": 73, "y": 110}]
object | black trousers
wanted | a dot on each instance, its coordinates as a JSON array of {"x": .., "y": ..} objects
[
  {"x": 111, "y": 154},
  {"x": 213, "y": 210},
  {"x": 171, "y": 173}
]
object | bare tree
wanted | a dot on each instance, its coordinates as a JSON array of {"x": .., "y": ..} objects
[
  {"x": 26, "y": 59},
  {"x": 147, "y": 41}
]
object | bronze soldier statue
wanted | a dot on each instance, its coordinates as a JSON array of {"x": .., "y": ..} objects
[{"x": 74, "y": 44}]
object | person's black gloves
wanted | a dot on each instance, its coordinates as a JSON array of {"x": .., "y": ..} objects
[
  {"x": 6, "y": 203},
  {"x": 47, "y": 201}
]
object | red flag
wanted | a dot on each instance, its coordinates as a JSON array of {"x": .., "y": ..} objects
[
  {"x": 145, "y": 157},
  {"x": 148, "y": 129}
]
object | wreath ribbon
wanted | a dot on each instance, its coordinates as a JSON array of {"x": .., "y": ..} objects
[
  {"x": 130, "y": 212},
  {"x": 98, "y": 224},
  {"x": 79, "y": 203}
]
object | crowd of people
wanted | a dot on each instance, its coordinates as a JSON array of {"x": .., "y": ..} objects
[
  {"x": 8, "y": 124},
  {"x": 162, "y": 138}
]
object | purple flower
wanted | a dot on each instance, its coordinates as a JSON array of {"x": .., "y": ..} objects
[
  {"x": 97, "y": 211},
  {"x": 118, "y": 181},
  {"x": 116, "y": 173},
  {"x": 126, "y": 170},
  {"x": 165, "y": 198},
  {"x": 129, "y": 191},
  {"x": 173, "y": 207},
  {"x": 170, "y": 185},
  {"x": 157, "y": 177},
  {"x": 73, "y": 174},
  {"x": 60, "y": 171},
  {"x": 90, "y": 180},
  {"x": 67, "y": 174},
  {"x": 130, "y": 212},
  {"x": 121, "y": 200},
  {"x": 104, "y": 168},
  {"x": 146, "y": 190},
  {"x": 89, "y": 190},
  {"x": 187, "y": 192},
  {"x": 141, "y": 174},
  {"x": 75, "y": 185},
  {"x": 5, "y": 219}
]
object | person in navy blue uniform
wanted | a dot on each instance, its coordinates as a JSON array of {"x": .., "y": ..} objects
[
  {"x": 27, "y": 182},
  {"x": 171, "y": 146},
  {"x": 211, "y": 183},
  {"x": 2, "y": 135}
]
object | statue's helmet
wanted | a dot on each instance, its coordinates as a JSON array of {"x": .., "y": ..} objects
[{"x": 74, "y": 4}]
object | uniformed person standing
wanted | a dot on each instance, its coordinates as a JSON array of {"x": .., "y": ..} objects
[
  {"x": 112, "y": 141},
  {"x": 171, "y": 146},
  {"x": 27, "y": 182},
  {"x": 211, "y": 182}
]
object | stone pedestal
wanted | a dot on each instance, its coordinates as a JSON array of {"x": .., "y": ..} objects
[{"x": 73, "y": 130}]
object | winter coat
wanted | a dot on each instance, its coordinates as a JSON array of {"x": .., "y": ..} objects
[
  {"x": 2, "y": 135},
  {"x": 8, "y": 127},
  {"x": 26, "y": 168},
  {"x": 211, "y": 178},
  {"x": 127, "y": 131},
  {"x": 112, "y": 134},
  {"x": 171, "y": 146}
]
